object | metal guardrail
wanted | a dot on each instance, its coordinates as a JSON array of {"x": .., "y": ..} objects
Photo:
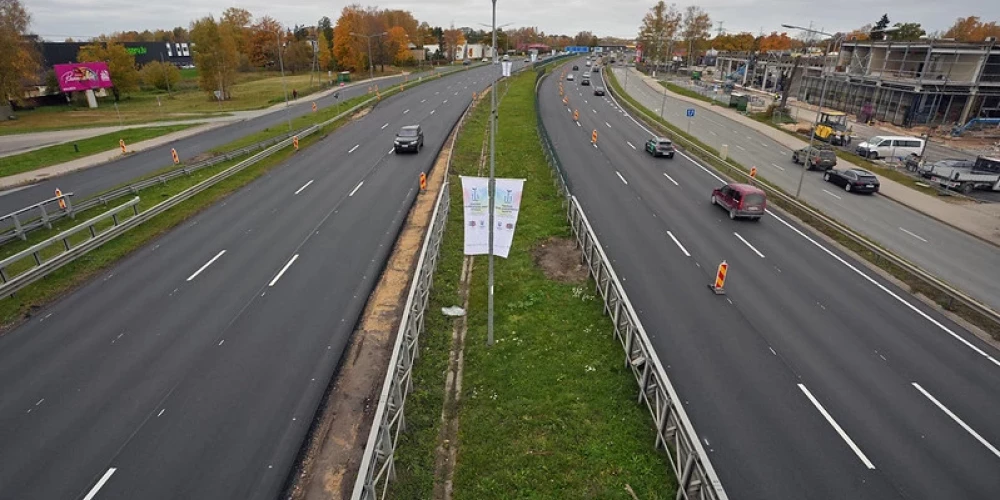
[
  {"x": 696, "y": 478},
  {"x": 45, "y": 217},
  {"x": 953, "y": 294}
]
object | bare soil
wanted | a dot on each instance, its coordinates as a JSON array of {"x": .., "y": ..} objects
[{"x": 559, "y": 259}]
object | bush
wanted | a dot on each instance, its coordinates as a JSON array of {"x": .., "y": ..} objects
[{"x": 159, "y": 75}]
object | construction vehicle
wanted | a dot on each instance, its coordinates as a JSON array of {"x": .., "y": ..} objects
[
  {"x": 832, "y": 127},
  {"x": 958, "y": 130}
]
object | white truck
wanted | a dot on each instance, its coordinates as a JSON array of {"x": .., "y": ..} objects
[{"x": 984, "y": 174}]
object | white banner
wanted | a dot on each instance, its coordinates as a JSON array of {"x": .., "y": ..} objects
[
  {"x": 506, "y": 67},
  {"x": 476, "y": 204}
]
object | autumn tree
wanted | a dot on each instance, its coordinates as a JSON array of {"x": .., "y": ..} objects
[
  {"x": 403, "y": 19},
  {"x": 19, "y": 59},
  {"x": 659, "y": 30},
  {"x": 740, "y": 42},
  {"x": 907, "y": 32},
  {"x": 262, "y": 42},
  {"x": 453, "y": 39},
  {"x": 215, "y": 55},
  {"x": 397, "y": 45},
  {"x": 325, "y": 27},
  {"x": 298, "y": 55},
  {"x": 325, "y": 52},
  {"x": 121, "y": 65},
  {"x": 971, "y": 29},
  {"x": 160, "y": 75},
  {"x": 775, "y": 42},
  {"x": 237, "y": 22},
  {"x": 696, "y": 26}
]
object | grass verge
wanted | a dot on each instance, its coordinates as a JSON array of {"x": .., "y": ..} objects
[
  {"x": 677, "y": 89},
  {"x": 53, "y": 155},
  {"x": 734, "y": 170},
  {"x": 548, "y": 411}
]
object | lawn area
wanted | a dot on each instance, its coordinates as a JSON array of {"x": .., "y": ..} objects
[
  {"x": 253, "y": 91},
  {"x": 52, "y": 155},
  {"x": 677, "y": 89},
  {"x": 548, "y": 411}
]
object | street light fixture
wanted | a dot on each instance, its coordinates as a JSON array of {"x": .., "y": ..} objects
[
  {"x": 494, "y": 28},
  {"x": 371, "y": 62}
]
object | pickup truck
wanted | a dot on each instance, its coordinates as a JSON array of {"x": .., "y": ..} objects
[{"x": 984, "y": 174}]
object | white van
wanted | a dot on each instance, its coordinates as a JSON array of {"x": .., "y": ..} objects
[{"x": 890, "y": 147}]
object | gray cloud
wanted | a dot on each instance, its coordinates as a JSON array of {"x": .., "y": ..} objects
[{"x": 82, "y": 18}]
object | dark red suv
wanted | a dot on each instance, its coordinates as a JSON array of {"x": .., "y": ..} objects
[{"x": 741, "y": 200}]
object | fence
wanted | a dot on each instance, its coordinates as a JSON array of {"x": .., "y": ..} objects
[{"x": 696, "y": 478}]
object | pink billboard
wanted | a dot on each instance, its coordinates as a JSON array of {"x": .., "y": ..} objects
[{"x": 82, "y": 76}]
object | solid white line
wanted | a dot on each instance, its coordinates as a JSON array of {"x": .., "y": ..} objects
[
  {"x": 303, "y": 187},
  {"x": 407, "y": 111},
  {"x": 432, "y": 111},
  {"x": 890, "y": 292},
  {"x": 161, "y": 412},
  {"x": 630, "y": 144},
  {"x": 384, "y": 126},
  {"x": 391, "y": 151},
  {"x": 608, "y": 124},
  {"x": 747, "y": 243},
  {"x": 741, "y": 147},
  {"x": 97, "y": 487},
  {"x": 209, "y": 263},
  {"x": 837, "y": 427},
  {"x": 678, "y": 243},
  {"x": 779, "y": 167},
  {"x": 620, "y": 177},
  {"x": 707, "y": 171},
  {"x": 671, "y": 179},
  {"x": 958, "y": 420},
  {"x": 356, "y": 188},
  {"x": 831, "y": 194},
  {"x": 913, "y": 234},
  {"x": 353, "y": 149},
  {"x": 278, "y": 277}
]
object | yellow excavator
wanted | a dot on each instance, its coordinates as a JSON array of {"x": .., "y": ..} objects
[{"x": 832, "y": 128}]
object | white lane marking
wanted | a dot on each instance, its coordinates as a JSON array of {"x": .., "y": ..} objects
[
  {"x": 391, "y": 151},
  {"x": 356, "y": 188},
  {"x": 736, "y": 131},
  {"x": 779, "y": 167},
  {"x": 353, "y": 149},
  {"x": 158, "y": 415},
  {"x": 678, "y": 243},
  {"x": 911, "y": 233},
  {"x": 707, "y": 171},
  {"x": 384, "y": 126},
  {"x": 671, "y": 179},
  {"x": 713, "y": 133},
  {"x": 832, "y": 194},
  {"x": 749, "y": 138},
  {"x": 890, "y": 292},
  {"x": 432, "y": 111},
  {"x": 280, "y": 273},
  {"x": 741, "y": 147},
  {"x": 303, "y": 187},
  {"x": 620, "y": 176},
  {"x": 783, "y": 153},
  {"x": 763, "y": 145},
  {"x": 594, "y": 110},
  {"x": 630, "y": 144},
  {"x": 436, "y": 93},
  {"x": 223, "y": 341},
  {"x": 747, "y": 243},
  {"x": 958, "y": 420},
  {"x": 407, "y": 111},
  {"x": 209, "y": 263},
  {"x": 100, "y": 483},
  {"x": 772, "y": 350},
  {"x": 445, "y": 101},
  {"x": 608, "y": 124},
  {"x": 585, "y": 101},
  {"x": 837, "y": 427},
  {"x": 423, "y": 101}
]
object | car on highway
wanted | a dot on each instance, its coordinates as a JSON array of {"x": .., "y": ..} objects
[
  {"x": 741, "y": 200},
  {"x": 409, "y": 138},
  {"x": 823, "y": 159},
  {"x": 576, "y": 68},
  {"x": 585, "y": 80},
  {"x": 660, "y": 146},
  {"x": 527, "y": 60},
  {"x": 855, "y": 180},
  {"x": 596, "y": 69},
  {"x": 570, "y": 77},
  {"x": 598, "y": 90}
]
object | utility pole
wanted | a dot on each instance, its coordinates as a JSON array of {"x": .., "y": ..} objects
[
  {"x": 371, "y": 62},
  {"x": 493, "y": 181}
]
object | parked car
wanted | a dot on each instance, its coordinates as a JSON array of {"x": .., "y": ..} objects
[
  {"x": 823, "y": 159},
  {"x": 598, "y": 90},
  {"x": 660, "y": 146},
  {"x": 570, "y": 78},
  {"x": 890, "y": 147},
  {"x": 741, "y": 200},
  {"x": 409, "y": 138},
  {"x": 855, "y": 180}
]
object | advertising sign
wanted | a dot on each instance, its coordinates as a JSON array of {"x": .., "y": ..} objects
[
  {"x": 83, "y": 76},
  {"x": 476, "y": 204}
]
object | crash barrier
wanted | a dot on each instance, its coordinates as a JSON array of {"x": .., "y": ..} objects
[
  {"x": 696, "y": 478},
  {"x": 918, "y": 280},
  {"x": 54, "y": 208}
]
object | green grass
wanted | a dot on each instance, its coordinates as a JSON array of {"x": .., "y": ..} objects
[
  {"x": 60, "y": 153},
  {"x": 677, "y": 89},
  {"x": 548, "y": 411},
  {"x": 735, "y": 170}
]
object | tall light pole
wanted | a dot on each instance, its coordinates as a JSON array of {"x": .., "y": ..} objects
[
  {"x": 822, "y": 92},
  {"x": 371, "y": 62},
  {"x": 493, "y": 181}
]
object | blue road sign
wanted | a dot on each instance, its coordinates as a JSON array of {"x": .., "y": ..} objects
[{"x": 690, "y": 112}]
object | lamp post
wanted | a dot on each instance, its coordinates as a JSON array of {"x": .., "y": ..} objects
[
  {"x": 371, "y": 62},
  {"x": 822, "y": 95},
  {"x": 492, "y": 182}
]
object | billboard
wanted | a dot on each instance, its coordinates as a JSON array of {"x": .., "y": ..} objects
[{"x": 83, "y": 76}]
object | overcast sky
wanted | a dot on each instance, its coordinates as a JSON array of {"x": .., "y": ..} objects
[{"x": 58, "y": 19}]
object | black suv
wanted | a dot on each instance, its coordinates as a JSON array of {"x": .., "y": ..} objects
[
  {"x": 576, "y": 68},
  {"x": 409, "y": 138}
]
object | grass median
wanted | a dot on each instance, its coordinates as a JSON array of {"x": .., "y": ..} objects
[
  {"x": 548, "y": 411},
  {"x": 61, "y": 153},
  {"x": 734, "y": 170}
]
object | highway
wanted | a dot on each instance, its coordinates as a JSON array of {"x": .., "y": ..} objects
[
  {"x": 87, "y": 182},
  {"x": 194, "y": 367},
  {"x": 940, "y": 249},
  {"x": 812, "y": 378}
]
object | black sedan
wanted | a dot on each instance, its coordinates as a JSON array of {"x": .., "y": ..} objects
[
  {"x": 598, "y": 90},
  {"x": 853, "y": 180}
]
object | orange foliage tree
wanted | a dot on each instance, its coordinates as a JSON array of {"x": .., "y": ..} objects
[{"x": 971, "y": 29}]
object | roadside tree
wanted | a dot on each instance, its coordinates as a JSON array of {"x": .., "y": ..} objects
[
  {"x": 121, "y": 65},
  {"x": 19, "y": 59}
]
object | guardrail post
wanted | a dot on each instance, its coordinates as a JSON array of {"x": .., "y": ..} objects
[
  {"x": 69, "y": 207},
  {"x": 93, "y": 234},
  {"x": 38, "y": 258},
  {"x": 66, "y": 243},
  {"x": 18, "y": 229},
  {"x": 45, "y": 217},
  {"x": 114, "y": 217},
  {"x": 3, "y": 274}
]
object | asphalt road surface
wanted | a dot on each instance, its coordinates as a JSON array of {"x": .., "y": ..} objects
[
  {"x": 945, "y": 252},
  {"x": 812, "y": 378},
  {"x": 194, "y": 367},
  {"x": 87, "y": 182}
]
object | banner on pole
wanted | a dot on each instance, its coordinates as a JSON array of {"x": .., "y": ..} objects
[
  {"x": 507, "y": 65},
  {"x": 476, "y": 204}
]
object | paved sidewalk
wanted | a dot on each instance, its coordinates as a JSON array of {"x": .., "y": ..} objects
[{"x": 980, "y": 220}]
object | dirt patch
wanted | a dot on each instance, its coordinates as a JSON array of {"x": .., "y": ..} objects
[
  {"x": 559, "y": 259},
  {"x": 201, "y": 157},
  {"x": 361, "y": 113}
]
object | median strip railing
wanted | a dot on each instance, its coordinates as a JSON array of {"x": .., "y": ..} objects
[
  {"x": 696, "y": 478},
  {"x": 924, "y": 281},
  {"x": 19, "y": 229}
]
